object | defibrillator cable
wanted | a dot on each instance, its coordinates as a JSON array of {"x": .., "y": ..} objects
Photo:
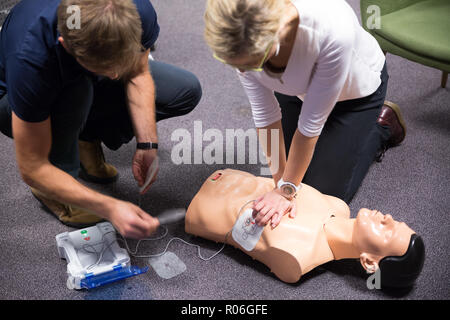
[{"x": 135, "y": 255}]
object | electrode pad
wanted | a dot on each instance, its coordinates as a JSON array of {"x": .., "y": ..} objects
[
  {"x": 167, "y": 265},
  {"x": 246, "y": 232}
]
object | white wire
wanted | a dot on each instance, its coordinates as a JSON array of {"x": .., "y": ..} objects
[
  {"x": 112, "y": 242},
  {"x": 134, "y": 253},
  {"x": 167, "y": 246}
]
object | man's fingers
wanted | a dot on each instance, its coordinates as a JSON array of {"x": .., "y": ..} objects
[
  {"x": 151, "y": 222},
  {"x": 133, "y": 235},
  {"x": 151, "y": 182},
  {"x": 137, "y": 175},
  {"x": 146, "y": 189},
  {"x": 131, "y": 231},
  {"x": 137, "y": 225}
]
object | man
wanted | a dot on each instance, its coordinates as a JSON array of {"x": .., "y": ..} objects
[{"x": 75, "y": 74}]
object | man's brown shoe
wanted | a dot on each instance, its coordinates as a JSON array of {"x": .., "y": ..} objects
[
  {"x": 67, "y": 214},
  {"x": 93, "y": 165},
  {"x": 391, "y": 117}
]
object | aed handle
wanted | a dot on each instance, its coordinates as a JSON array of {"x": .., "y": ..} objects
[{"x": 171, "y": 216}]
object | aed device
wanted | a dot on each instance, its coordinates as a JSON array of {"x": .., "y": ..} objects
[{"x": 94, "y": 257}]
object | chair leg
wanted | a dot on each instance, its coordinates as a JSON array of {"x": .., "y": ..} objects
[{"x": 444, "y": 79}]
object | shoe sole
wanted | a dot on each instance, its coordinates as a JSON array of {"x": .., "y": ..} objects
[
  {"x": 398, "y": 113},
  {"x": 87, "y": 177},
  {"x": 69, "y": 224}
]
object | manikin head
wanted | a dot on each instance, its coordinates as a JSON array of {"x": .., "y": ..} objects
[{"x": 390, "y": 246}]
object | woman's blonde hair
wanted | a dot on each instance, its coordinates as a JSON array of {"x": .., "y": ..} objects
[
  {"x": 242, "y": 27},
  {"x": 108, "y": 37}
]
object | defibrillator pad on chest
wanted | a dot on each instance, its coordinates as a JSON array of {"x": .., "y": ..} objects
[{"x": 246, "y": 232}]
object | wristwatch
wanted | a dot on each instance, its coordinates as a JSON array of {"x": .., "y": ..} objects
[
  {"x": 288, "y": 189},
  {"x": 146, "y": 145}
]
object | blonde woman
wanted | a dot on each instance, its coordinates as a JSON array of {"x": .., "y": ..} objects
[{"x": 311, "y": 71}]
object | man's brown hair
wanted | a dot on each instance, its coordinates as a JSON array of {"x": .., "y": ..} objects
[{"x": 108, "y": 36}]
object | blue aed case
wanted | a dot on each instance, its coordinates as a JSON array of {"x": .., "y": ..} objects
[{"x": 94, "y": 257}]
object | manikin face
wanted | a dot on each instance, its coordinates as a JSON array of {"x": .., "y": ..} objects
[{"x": 379, "y": 235}]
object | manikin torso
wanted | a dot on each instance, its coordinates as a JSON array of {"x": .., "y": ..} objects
[{"x": 295, "y": 247}]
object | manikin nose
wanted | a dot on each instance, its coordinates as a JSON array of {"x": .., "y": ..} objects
[{"x": 387, "y": 218}]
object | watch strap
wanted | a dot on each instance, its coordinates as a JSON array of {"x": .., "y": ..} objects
[
  {"x": 281, "y": 182},
  {"x": 146, "y": 145}
]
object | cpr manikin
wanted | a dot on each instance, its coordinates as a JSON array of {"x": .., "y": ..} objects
[{"x": 320, "y": 232}]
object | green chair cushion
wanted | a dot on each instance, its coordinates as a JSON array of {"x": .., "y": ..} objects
[{"x": 422, "y": 28}]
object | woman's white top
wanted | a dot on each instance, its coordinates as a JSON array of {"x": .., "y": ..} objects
[{"x": 333, "y": 59}]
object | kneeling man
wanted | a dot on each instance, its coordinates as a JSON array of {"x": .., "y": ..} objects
[{"x": 75, "y": 74}]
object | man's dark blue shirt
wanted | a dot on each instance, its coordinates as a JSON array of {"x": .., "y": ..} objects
[{"x": 34, "y": 66}]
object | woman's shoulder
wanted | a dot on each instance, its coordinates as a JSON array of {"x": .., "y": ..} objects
[{"x": 326, "y": 16}]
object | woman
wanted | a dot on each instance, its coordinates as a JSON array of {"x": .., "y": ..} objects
[{"x": 330, "y": 79}]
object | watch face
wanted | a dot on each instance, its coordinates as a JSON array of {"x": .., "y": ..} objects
[{"x": 288, "y": 190}]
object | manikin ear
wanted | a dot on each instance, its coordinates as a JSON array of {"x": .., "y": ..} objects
[{"x": 369, "y": 262}]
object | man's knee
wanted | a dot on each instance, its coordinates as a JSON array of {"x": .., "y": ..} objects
[
  {"x": 178, "y": 91},
  {"x": 192, "y": 94},
  {"x": 188, "y": 96}
]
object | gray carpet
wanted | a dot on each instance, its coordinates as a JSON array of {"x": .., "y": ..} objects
[{"x": 412, "y": 184}]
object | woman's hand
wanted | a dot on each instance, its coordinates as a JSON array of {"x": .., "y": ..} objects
[{"x": 272, "y": 206}]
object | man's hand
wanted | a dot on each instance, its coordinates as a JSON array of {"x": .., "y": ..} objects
[
  {"x": 141, "y": 104},
  {"x": 272, "y": 206},
  {"x": 142, "y": 161},
  {"x": 131, "y": 221}
]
